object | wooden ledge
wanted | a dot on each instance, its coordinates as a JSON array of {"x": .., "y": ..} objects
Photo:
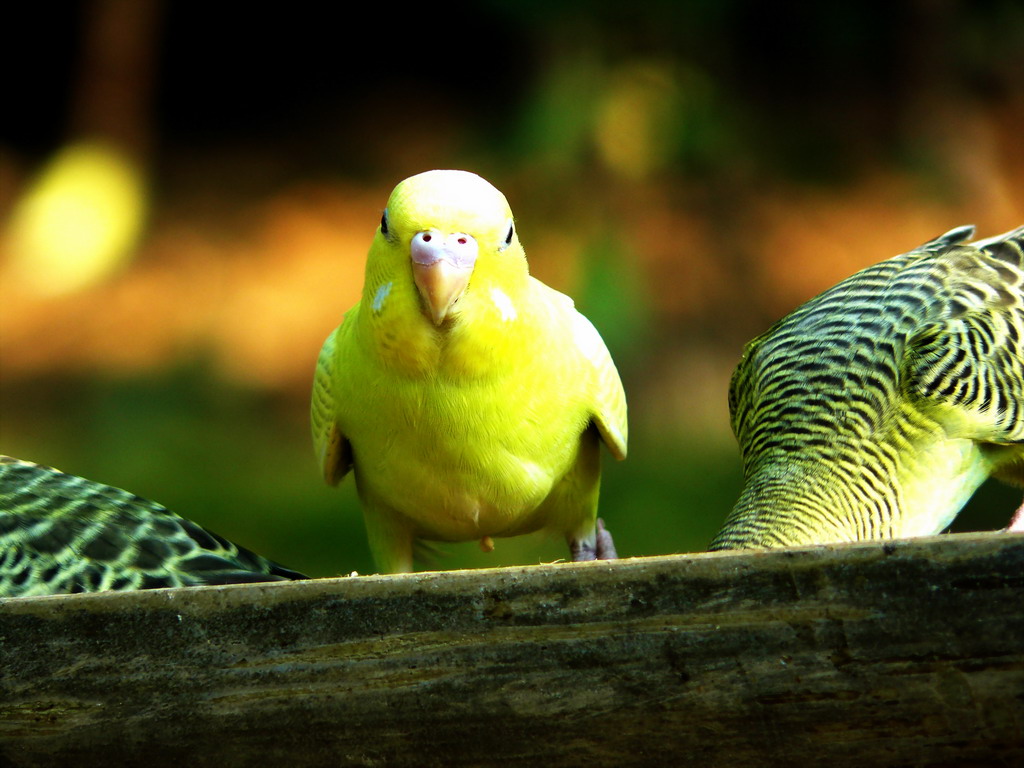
[{"x": 868, "y": 654}]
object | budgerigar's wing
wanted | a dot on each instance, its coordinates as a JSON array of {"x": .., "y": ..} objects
[
  {"x": 609, "y": 398},
  {"x": 332, "y": 449},
  {"x": 966, "y": 367},
  {"x": 61, "y": 533}
]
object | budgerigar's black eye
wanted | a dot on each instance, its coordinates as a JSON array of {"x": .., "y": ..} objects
[
  {"x": 384, "y": 223},
  {"x": 511, "y": 231}
]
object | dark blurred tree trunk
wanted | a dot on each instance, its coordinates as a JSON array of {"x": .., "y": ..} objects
[{"x": 114, "y": 89}]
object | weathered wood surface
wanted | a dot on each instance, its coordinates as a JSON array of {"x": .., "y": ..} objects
[{"x": 903, "y": 654}]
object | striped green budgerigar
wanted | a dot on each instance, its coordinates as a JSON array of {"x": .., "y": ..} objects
[
  {"x": 61, "y": 533},
  {"x": 876, "y": 409}
]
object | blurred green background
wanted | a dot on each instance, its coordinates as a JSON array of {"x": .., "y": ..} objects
[{"x": 188, "y": 191}]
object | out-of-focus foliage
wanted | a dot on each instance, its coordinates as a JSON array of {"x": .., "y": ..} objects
[{"x": 687, "y": 171}]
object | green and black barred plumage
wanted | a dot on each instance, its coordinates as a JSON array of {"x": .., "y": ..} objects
[
  {"x": 876, "y": 409},
  {"x": 60, "y": 534}
]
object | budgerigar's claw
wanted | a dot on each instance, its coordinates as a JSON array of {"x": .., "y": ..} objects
[{"x": 605, "y": 545}]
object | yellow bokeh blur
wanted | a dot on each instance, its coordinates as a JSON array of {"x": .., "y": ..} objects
[{"x": 78, "y": 221}]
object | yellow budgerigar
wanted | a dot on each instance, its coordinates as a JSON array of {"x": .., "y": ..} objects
[{"x": 468, "y": 398}]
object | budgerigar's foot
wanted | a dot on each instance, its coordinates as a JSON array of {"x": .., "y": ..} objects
[
  {"x": 581, "y": 551},
  {"x": 605, "y": 545},
  {"x": 1017, "y": 521}
]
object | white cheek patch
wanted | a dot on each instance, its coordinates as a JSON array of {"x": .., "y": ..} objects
[
  {"x": 504, "y": 305},
  {"x": 381, "y": 296}
]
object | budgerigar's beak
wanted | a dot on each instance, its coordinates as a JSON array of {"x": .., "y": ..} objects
[{"x": 441, "y": 266}]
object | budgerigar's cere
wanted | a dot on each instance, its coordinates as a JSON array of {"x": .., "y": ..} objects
[
  {"x": 468, "y": 398},
  {"x": 61, "y": 533},
  {"x": 876, "y": 409}
]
